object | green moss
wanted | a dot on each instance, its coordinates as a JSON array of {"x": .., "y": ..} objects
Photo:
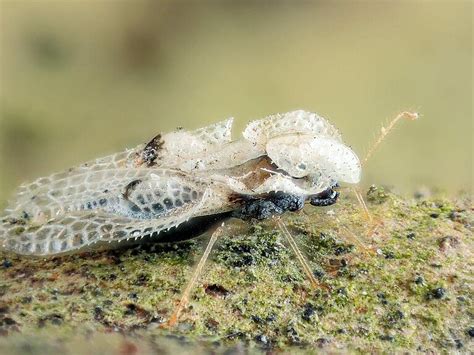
[{"x": 403, "y": 287}]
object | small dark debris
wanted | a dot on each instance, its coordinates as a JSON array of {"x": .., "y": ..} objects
[
  {"x": 98, "y": 313},
  {"x": 7, "y": 264},
  {"x": 142, "y": 280},
  {"x": 318, "y": 274},
  {"x": 157, "y": 319},
  {"x": 293, "y": 336},
  {"x": 419, "y": 280},
  {"x": 395, "y": 317},
  {"x": 7, "y": 321},
  {"x": 26, "y": 299},
  {"x": 437, "y": 293},
  {"x": 383, "y": 299},
  {"x": 459, "y": 344},
  {"x": 341, "y": 331},
  {"x": 216, "y": 290},
  {"x": 447, "y": 242},
  {"x": 262, "y": 339},
  {"x": 308, "y": 312},
  {"x": 212, "y": 324},
  {"x": 322, "y": 342},
  {"x": 411, "y": 236},
  {"x": 271, "y": 318},
  {"x": 470, "y": 332},
  {"x": 257, "y": 319},
  {"x": 133, "y": 296},
  {"x": 387, "y": 338},
  {"x": 55, "y": 319},
  {"x": 389, "y": 254},
  {"x": 434, "y": 215}
]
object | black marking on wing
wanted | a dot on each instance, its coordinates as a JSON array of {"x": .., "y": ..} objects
[
  {"x": 150, "y": 152},
  {"x": 130, "y": 187}
]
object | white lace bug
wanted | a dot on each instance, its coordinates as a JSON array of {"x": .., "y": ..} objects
[{"x": 176, "y": 177}]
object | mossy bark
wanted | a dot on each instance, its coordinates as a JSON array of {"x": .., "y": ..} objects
[{"x": 402, "y": 282}]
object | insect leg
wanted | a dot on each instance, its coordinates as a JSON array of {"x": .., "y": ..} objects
[
  {"x": 299, "y": 255},
  {"x": 189, "y": 287},
  {"x": 326, "y": 198}
]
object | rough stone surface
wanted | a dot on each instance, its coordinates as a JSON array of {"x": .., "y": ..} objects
[{"x": 396, "y": 284}]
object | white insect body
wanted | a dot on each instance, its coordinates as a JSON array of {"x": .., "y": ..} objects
[{"x": 176, "y": 178}]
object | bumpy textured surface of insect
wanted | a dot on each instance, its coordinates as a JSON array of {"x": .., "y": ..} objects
[{"x": 280, "y": 162}]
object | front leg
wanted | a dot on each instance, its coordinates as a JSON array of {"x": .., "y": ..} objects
[{"x": 326, "y": 198}]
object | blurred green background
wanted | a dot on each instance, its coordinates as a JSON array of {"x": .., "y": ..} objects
[{"x": 81, "y": 80}]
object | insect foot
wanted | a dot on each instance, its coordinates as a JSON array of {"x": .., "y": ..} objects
[
  {"x": 268, "y": 206},
  {"x": 326, "y": 198}
]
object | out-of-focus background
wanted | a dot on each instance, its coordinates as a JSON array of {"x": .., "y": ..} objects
[{"x": 83, "y": 79}]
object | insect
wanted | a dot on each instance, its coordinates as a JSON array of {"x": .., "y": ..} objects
[
  {"x": 281, "y": 161},
  {"x": 182, "y": 182}
]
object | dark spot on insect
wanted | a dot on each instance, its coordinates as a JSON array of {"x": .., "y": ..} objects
[
  {"x": 141, "y": 199},
  {"x": 146, "y": 210},
  {"x": 105, "y": 191},
  {"x": 150, "y": 152},
  {"x": 186, "y": 198},
  {"x": 7, "y": 264},
  {"x": 25, "y": 215},
  {"x": 157, "y": 207},
  {"x": 130, "y": 187},
  {"x": 178, "y": 203},
  {"x": 102, "y": 201},
  {"x": 168, "y": 203},
  {"x": 302, "y": 166},
  {"x": 187, "y": 189},
  {"x": 194, "y": 195},
  {"x": 89, "y": 205},
  {"x": 135, "y": 208}
]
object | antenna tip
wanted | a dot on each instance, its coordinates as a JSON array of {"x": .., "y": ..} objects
[{"x": 412, "y": 116}]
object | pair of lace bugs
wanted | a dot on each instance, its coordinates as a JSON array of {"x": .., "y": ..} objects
[{"x": 183, "y": 182}]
